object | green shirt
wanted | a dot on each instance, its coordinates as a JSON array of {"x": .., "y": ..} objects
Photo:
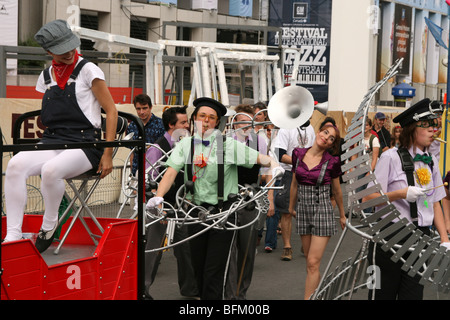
[{"x": 205, "y": 185}]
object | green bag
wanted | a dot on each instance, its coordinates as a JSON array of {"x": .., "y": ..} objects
[{"x": 62, "y": 208}]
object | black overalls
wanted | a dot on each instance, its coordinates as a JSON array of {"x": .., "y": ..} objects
[{"x": 64, "y": 119}]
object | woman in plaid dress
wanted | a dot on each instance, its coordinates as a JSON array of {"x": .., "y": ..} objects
[{"x": 315, "y": 171}]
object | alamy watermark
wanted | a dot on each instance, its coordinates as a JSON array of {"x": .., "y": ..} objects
[
  {"x": 373, "y": 281},
  {"x": 74, "y": 280}
]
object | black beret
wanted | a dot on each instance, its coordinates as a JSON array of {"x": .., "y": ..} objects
[
  {"x": 422, "y": 110},
  {"x": 208, "y": 102}
]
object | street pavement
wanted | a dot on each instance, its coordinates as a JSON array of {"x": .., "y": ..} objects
[{"x": 274, "y": 279}]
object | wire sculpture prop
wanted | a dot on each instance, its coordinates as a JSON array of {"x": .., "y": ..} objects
[
  {"x": 181, "y": 213},
  {"x": 426, "y": 258}
]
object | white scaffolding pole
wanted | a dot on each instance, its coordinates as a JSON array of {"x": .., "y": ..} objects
[
  {"x": 214, "y": 45},
  {"x": 269, "y": 80},
  {"x": 151, "y": 74},
  {"x": 158, "y": 76},
  {"x": 263, "y": 81},
  {"x": 261, "y": 73},
  {"x": 193, "y": 88},
  {"x": 154, "y": 75},
  {"x": 255, "y": 81},
  {"x": 209, "y": 78},
  {"x": 277, "y": 77},
  {"x": 212, "y": 63},
  {"x": 222, "y": 83},
  {"x": 206, "y": 72}
]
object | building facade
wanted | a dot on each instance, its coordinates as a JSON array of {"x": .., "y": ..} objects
[{"x": 367, "y": 36}]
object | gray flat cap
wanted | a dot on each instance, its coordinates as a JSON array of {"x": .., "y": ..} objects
[{"x": 57, "y": 37}]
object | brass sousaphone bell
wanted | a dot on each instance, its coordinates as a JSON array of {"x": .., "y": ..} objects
[{"x": 292, "y": 107}]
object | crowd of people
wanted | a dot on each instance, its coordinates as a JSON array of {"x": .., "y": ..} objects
[
  {"x": 218, "y": 264},
  {"x": 219, "y": 254},
  {"x": 309, "y": 194}
]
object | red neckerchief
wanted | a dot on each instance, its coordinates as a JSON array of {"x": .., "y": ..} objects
[{"x": 63, "y": 71}]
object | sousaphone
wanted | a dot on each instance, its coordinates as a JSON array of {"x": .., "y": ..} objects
[{"x": 292, "y": 107}]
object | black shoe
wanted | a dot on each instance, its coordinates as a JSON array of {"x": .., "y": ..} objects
[
  {"x": 147, "y": 296},
  {"x": 45, "y": 239}
]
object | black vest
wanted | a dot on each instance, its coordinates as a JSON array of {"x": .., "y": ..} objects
[
  {"x": 250, "y": 175},
  {"x": 179, "y": 180}
]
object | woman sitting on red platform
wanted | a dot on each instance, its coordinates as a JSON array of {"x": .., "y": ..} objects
[{"x": 75, "y": 91}]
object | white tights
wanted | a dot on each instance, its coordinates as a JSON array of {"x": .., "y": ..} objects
[{"x": 54, "y": 166}]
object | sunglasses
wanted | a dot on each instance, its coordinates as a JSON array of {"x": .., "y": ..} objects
[{"x": 428, "y": 123}]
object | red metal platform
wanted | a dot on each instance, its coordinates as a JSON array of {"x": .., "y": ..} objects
[{"x": 107, "y": 271}]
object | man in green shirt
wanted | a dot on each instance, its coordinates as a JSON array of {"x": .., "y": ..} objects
[
  {"x": 205, "y": 184},
  {"x": 210, "y": 249}
]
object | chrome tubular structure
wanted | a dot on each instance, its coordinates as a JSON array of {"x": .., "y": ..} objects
[{"x": 182, "y": 213}]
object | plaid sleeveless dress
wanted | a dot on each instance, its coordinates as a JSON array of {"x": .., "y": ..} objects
[{"x": 314, "y": 210}]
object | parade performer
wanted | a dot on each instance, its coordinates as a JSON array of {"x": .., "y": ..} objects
[
  {"x": 314, "y": 171},
  {"x": 211, "y": 165},
  {"x": 74, "y": 93},
  {"x": 412, "y": 193},
  {"x": 242, "y": 257},
  {"x": 176, "y": 124}
]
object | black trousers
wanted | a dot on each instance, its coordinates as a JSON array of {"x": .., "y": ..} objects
[
  {"x": 395, "y": 284},
  {"x": 242, "y": 258},
  {"x": 156, "y": 233},
  {"x": 209, "y": 255}
]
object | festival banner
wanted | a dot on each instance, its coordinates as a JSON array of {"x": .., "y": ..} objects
[
  {"x": 420, "y": 48},
  {"x": 386, "y": 39},
  {"x": 402, "y": 37},
  {"x": 306, "y": 26}
]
